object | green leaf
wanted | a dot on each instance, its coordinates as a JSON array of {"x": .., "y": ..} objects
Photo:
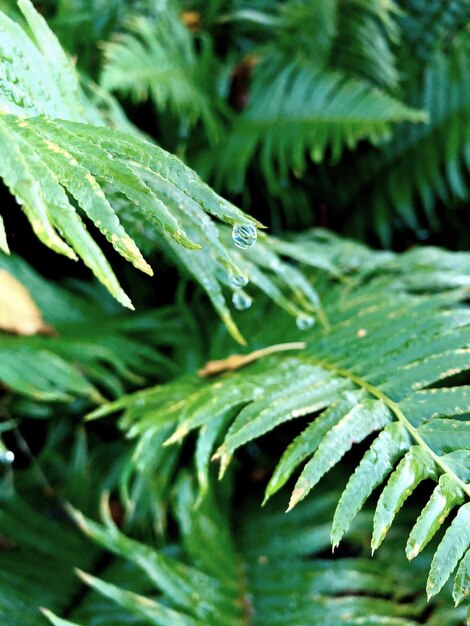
[
  {"x": 56, "y": 155},
  {"x": 153, "y": 612},
  {"x": 38, "y": 539},
  {"x": 257, "y": 561},
  {"x": 296, "y": 109},
  {"x": 308, "y": 441},
  {"x": 377, "y": 463},
  {"x": 172, "y": 578},
  {"x": 21, "y": 175},
  {"x": 48, "y": 377},
  {"x": 450, "y": 551},
  {"x": 58, "y": 65},
  {"x": 462, "y": 580},
  {"x": 361, "y": 372},
  {"x": 428, "y": 371},
  {"x": 421, "y": 165},
  {"x": 208, "y": 435},
  {"x": 444, "y": 401},
  {"x": 170, "y": 71},
  {"x": 312, "y": 390},
  {"x": 412, "y": 469},
  {"x": 443, "y": 499},
  {"x": 57, "y": 621},
  {"x": 92, "y": 351},
  {"x": 444, "y": 435},
  {"x": 365, "y": 418}
]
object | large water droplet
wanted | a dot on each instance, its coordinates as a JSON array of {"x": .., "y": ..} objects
[
  {"x": 238, "y": 281},
  {"x": 7, "y": 456},
  {"x": 241, "y": 301},
  {"x": 304, "y": 322},
  {"x": 244, "y": 236}
]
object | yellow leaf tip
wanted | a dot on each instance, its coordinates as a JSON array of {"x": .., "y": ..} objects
[
  {"x": 411, "y": 554},
  {"x": 82, "y": 575},
  {"x": 296, "y": 497},
  {"x": 176, "y": 437}
]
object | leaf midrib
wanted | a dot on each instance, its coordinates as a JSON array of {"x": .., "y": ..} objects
[{"x": 400, "y": 416}]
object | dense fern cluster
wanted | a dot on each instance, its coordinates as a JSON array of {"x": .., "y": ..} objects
[
  {"x": 335, "y": 74},
  {"x": 154, "y": 472},
  {"x": 363, "y": 376}
]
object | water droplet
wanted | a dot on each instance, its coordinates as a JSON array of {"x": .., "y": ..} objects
[
  {"x": 7, "y": 456},
  {"x": 241, "y": 301},
  {"x": 238, "y": 281},
  {"x": 244, "y": 236},
  {"x": 304, "y": 322}
]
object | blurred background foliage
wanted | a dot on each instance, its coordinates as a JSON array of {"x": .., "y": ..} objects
[{"x": 379, "y": 149}]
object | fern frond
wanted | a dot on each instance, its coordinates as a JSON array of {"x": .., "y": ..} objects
[
  {"x": 355, "y": 37},
  {"x": 156, "y": 58},
  {"x": 366, "y": 34},
  {"x": 36, "y": 77},
  {"x": 297, "y": 110},
  {"x": 422, "y": 164},
  {"x": 58, "y": 153},
  {"x": 316, "y": 90},
  {"x": 378, "y": 367},
  {"x": 243, "y": 572},
  {"x": 52, "y": 165}
]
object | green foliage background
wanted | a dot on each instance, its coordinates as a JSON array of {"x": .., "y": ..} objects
[{"x": 330, "y": 139}]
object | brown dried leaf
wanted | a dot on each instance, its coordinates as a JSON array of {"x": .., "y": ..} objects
[
  {"x": 6, "y": 544},
  {"x": 192, "y": 20},
  {"x": 235, "y": 361},
  {"x": 18, "y": 311}
]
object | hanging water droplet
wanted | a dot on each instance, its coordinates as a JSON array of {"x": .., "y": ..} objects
[
  {"x": 238, "y": 281},
  {"x": 7, "y": 456},
  {"x": 244, "y": 236},
  {"x": 241, "y": 301},
  {"x": 304, "y": 322}
]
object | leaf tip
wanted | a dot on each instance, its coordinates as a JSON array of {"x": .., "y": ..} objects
[
  {"x": 146, "y": 269},
  {"x": 224, "y": 457},
  {"x": 177, "y": 437},
  {"x": 411, "y": 553},
  {"x": 335, "y": 541},
  {"x": 296, "y": 497},
  {"x": 86, "y": 578}
]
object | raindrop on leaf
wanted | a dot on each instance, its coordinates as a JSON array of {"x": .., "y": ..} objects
[
  {"x": 238, "y": 281},
  {"x": 7, "y": 456},
  {"x": 304, "y": 322},
  {"x": 244, "y": 236},
  {"x": 241, "y": 301}
]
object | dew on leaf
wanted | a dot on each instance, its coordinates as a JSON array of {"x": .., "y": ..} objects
[
  {"x": 7, "y": 456},
  {"x": 241, "y": 301},
  {"x": 238, "y": 281},
  {"x": 304, "y": 322},
  {"x": 244, "y": 236}
]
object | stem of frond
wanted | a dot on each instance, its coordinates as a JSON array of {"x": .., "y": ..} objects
[{"x": 401, "y": 417}]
